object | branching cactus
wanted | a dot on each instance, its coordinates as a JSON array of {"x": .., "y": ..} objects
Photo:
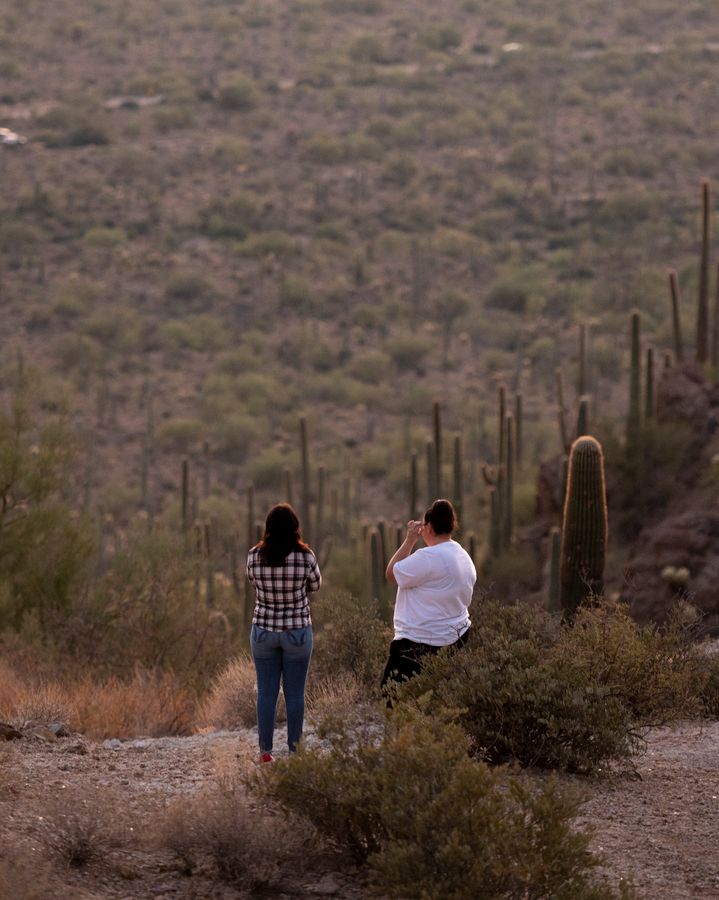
[{"x": 584, "y": 528}]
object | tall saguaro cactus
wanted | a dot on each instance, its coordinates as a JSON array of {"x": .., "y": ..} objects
[
  {"x": 676, "y": 315},
  {"x": 304, "y": 453},
  {"x": 584, "y": 528},
  {"x": 703, "y": 302},
  {"x": 437, "y": 428},
  {"x": 634, "y": 418}
]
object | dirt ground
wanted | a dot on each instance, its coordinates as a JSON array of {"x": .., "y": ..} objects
[{"x": 658, "y": 826}]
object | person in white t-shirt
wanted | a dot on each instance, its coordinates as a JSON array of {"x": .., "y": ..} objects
[{"x": 434, "y": 590}]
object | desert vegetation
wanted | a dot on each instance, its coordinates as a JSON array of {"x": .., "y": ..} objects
[{"x": 357, "y": 257}]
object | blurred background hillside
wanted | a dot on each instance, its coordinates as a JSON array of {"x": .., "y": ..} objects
[{"x": 226, "y": 216}]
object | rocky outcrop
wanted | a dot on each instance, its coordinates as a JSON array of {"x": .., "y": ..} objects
[
  {"x": 687, "y": 540},
  {"x": 684, "y": 395}
]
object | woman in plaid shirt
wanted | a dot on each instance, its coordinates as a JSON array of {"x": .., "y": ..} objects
[{"x": 283, "y": 571}]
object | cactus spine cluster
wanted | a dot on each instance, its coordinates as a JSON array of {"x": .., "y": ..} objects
[{"x": 584, "y": 527}]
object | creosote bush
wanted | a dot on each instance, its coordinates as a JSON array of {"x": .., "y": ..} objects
[
  {"x": 472, "y": 831},
  {"x": 534, "y": 691}
]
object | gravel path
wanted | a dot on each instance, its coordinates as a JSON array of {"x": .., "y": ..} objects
[{"x": 658, "y": 827}]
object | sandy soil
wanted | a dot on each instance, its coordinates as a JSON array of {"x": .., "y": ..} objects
[{"x": 658, "y": 825}]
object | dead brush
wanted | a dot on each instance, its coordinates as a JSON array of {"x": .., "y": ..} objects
[
  {"x": 250, "y": 848},
  {"x": 150, "y": 704},
  {"x": 231, "y": 700},
  {"x": 86, "y": 824},
  {"x": 335, "y": 697}
]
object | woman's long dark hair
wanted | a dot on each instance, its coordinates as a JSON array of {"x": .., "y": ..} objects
[{"x": 282, "y": 535}]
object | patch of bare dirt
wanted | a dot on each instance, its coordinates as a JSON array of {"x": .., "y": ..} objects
[
  {"x": 660, "y": 828},
  {"x": 658, "y": 825}
]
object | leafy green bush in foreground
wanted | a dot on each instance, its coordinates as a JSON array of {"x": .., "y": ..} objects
[
  {"x": 531, "y": 690},
  {"x": 430, "y": 822}
]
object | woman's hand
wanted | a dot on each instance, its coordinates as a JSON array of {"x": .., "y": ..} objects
[{"x": 414, "y": 531}]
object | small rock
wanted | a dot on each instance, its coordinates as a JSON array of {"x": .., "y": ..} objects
[
  {"x": 42, "y": 733},
  {"x": 58, "y": 729},
  {"x": 326, "y": 887},
  {"x": 79, "y": 747},
  {"x": 112, "y": 744},
  {"x": 8, "y": 733}
]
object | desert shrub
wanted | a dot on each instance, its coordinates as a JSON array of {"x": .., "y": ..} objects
[
  {"x": 325, "y": 149},
  {"x": 369, "y": 48},
  {"x": 45, "y": 551},
  {"x": 179, "y": 434},
  {"x": 472, "y": 832},
  {"x": 150, "y": 610},
  {"x": 266, "y": 468},
  {"x": 75, "y": 296},
  {"x": 82, "y": 827},
  {"x": 707, "y": 681},
  {"x": 409, "y": 352},
  {"x": 233, "y": 435},
  {"x": 232, "y": 697},
  {"x": 238, "y": 93},
  {"x": 558, "y": 697},
  {"x": 233, "y": 217},
  {"x": 440, "y": 37},
  {"x": 202, "y": 333},
  {"x": 296, "y": 295},
  {"x": 104, "y": 238},
  {"x": 248, "y": 846},
  {"x": 269, "y": 243},
  {"x": 173, "y": 118},
  {"x": 399, "y": 170},
  {"x": 370, "y": 367},
  {"x": 77, "y": 353},
  {"x": 350, "y": 639},
  {"x": 186, "y": 285},
  {"x": 652, "y": 671}
]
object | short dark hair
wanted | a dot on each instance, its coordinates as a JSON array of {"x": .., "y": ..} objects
[{"x": 441, "y": 516}]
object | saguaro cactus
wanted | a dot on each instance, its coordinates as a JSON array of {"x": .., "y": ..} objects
[
  {"x": 304, "y": 452},
  {"x": 437, "y": 428},
  {"x": 676, "y": 315},
  {"x": 703, "y": 302},
  {"x": 554, "y": 593},
  {"x": 584, "y": 528},
  {"x": 634, "y": 418}
]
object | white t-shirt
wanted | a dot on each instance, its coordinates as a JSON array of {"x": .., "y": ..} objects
[{"x": 434, "y": 591}]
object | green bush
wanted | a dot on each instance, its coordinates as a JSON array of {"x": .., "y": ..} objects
[
  {"x": 430, "y": 822},
  {"x": 350, "y": 639},
  {"x": 239, "y": 93},
  {"x": 540, "y": 693},
  {"x": 180, "y": 434},
  {"x": 186, "y": 285}
]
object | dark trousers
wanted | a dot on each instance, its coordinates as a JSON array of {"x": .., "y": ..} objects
[{"x": 405, "y": 658}]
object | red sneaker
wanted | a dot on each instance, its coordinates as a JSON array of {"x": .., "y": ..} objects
[{"x": 266, "y": 757}]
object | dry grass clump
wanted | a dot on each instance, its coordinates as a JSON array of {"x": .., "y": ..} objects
[
  {"x": 84, "y": 826},
  {"x": 333, "y": 697},
  {"x": 249, "y": 847},
  {"x": 150, "y": 703},
  {"x": 231, "y": 700}
]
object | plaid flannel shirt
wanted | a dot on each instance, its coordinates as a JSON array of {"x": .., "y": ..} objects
[{"x": 281, "y": 591}]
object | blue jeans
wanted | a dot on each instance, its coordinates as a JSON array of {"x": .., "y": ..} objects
[{"x": 281, "y": 656}]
